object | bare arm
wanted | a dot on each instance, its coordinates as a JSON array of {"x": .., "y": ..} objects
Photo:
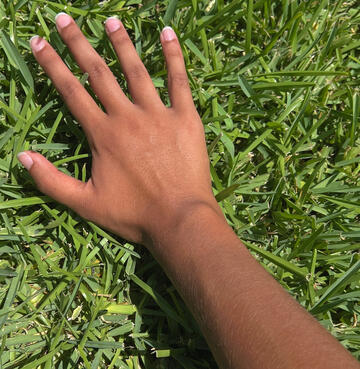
[
  {"x": 151, "y": 184},
  {"x": 249, "y": 320}
]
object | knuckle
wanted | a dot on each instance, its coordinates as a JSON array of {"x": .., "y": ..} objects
[
  {"x": 42, "y": 186},
  {"x": 47, "y": 58},
  {"x": 69, "y": 90},
  {"x": 122, "y": 38},
  {"x": 45, "y": 183},
  {"x": 179, "y": 79},
  {"x": 97, "y": 70},
  {"x": 83, "y": 205},
  {"x": 137, "y": 71},
  {"x": 71, "y": 34}
]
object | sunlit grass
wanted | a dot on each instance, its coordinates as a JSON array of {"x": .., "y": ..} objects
[{"x": 276, "y": 86}]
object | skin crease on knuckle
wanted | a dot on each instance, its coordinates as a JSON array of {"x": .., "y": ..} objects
[
  {"x": 120, "y": 37},
  {"x": 97, "y": 71},
  {"x": 71, "y": 35},
  {"x": 70, "y": 90},
  {"x": 173, "y": 51},
  {"x": 178, "y": 79},
  {"x": 136, "y": 71}
]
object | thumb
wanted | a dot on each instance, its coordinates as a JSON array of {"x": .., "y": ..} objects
[{"x": 62, "y": 188}]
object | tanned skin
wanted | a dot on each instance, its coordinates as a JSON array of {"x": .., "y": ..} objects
[{"x": 150, "y": 183}]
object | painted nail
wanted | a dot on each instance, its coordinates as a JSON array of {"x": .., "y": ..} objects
[
  {"x": 25, "y": 160},
  {"x": 168, "y": 34},
  {"x": 37, "y": 43},
  {"x": 62, "y": 20},
  {"x": 112, "y": 24}
]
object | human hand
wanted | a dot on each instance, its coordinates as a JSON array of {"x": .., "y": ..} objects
[{"x": 149, "y": 162}]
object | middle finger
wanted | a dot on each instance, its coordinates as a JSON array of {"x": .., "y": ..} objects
[{"x": 101, "y": 78}]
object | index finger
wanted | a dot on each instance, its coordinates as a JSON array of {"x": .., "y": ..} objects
[{"x": 79, "y": 101}]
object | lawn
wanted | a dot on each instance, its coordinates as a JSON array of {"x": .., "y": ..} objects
[{"x": 276, "y": 85}]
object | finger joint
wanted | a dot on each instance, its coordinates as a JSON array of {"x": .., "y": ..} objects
[
  {"x": 137, "y": 71},
  {"x": 179, "y": 79},
  {"x": 97, "y": 71},
  {"x": 70, "y": 91}
]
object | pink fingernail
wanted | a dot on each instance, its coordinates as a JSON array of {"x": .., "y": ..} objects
[
  {"x": 25, "y": 160},
  {"x": 112, "y": 24},
  {"x": 37, "y": 43},
  {"x": 62, "y": 20},
  {"x": 168, "y": 34}
]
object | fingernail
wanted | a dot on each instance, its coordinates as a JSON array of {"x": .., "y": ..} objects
[
  {"x": 62, "y": 20},
  {"x": 168, "y": 34},
  {"x": 25, "y": 160},
  {"x": 112, "y": 24},
  {"x": 37, "y": 43}
]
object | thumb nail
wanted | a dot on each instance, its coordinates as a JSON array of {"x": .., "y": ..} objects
[{"x": 25, "y": 160}]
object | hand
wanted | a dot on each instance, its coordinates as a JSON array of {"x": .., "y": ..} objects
[{"x": 149, "y": 162}]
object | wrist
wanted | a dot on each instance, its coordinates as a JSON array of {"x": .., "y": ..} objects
[{"x": 191, "y": 219}]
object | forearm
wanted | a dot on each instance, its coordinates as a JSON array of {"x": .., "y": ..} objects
[{"x": 247, "y": 318}]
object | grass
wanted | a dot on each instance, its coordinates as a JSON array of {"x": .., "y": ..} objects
[{"x": 276, "y": 85}]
